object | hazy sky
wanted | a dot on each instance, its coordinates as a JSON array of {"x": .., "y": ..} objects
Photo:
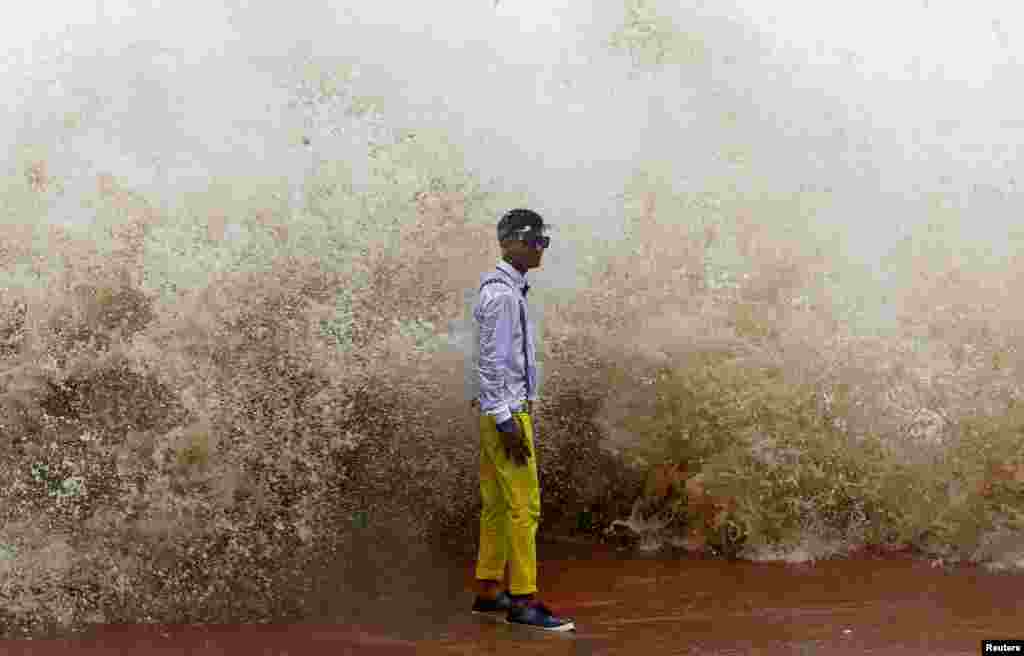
[{"x": 876, "y": 100}]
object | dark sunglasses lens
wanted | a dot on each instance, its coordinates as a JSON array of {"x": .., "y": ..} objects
[{"x": 540, "y": 241}]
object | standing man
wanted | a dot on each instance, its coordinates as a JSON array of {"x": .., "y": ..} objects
[{"x": 508, "y": 470}]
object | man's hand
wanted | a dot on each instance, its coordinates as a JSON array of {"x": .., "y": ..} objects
[{"x": 514, "y": 442}]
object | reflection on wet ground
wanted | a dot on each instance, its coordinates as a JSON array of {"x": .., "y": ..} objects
[
  {"x": 895, "y": 604},
  {"x": 898, "y": 604}
]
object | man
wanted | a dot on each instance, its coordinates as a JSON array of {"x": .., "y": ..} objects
[{"x": 508, "y": 470}]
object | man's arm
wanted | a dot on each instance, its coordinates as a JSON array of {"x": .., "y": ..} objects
[{"x": 499, "y": 318}]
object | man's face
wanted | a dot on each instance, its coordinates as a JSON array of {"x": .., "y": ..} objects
[{"x": 524, "y": 256}]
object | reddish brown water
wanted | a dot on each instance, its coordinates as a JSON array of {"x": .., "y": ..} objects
[{"x": 895, "y": 604}]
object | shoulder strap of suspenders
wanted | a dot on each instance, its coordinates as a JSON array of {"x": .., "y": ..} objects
[{"x": 493, "y": 280}]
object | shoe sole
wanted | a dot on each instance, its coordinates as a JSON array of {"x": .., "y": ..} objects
[{"x": 570, "y": 626}]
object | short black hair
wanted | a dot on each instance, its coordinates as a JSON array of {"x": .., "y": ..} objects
[{"x": 517, "y": 220}]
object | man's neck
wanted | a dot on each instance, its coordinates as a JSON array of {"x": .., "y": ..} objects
[{"x": 513, "y": 265}]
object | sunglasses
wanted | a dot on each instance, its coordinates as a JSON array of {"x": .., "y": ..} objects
[{"x": 533, "y": 242}]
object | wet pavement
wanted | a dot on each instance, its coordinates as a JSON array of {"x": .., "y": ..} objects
[{"x": 895, "y": 604}]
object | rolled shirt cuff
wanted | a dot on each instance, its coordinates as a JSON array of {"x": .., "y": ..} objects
[{"x": 502, "y": 416}]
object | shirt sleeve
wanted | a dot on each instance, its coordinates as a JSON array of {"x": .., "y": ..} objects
[{"x": 498, "y": 317}]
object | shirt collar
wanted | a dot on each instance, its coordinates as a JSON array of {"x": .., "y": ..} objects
[{"x": 518, "y": 278}]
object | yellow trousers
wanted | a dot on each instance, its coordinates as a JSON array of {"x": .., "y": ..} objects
[{"x": 511, "y": 509}]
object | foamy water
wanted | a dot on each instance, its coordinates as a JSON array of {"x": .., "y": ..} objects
[{"x": 238, "y": 256}]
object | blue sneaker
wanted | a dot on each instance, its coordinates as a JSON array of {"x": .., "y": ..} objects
[
  {"x": 501, "y": 604},
  {"x": 537, "y": 615}
]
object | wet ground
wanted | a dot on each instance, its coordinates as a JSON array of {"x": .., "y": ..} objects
[{"x": 623, "y": 604}]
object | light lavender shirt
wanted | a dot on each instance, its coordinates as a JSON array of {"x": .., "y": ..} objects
[{"x": 500, "y": 367}]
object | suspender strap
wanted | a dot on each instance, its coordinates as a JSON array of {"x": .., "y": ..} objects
[{"x": 522, "y": 323}]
